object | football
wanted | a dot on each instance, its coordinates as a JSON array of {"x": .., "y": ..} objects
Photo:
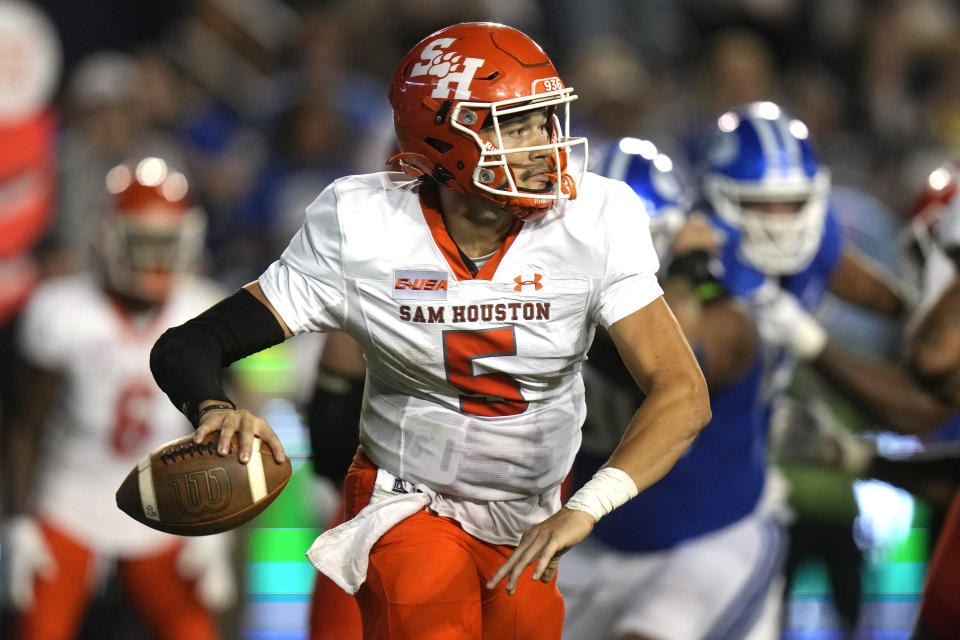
[{"x": 189, "y": 489}]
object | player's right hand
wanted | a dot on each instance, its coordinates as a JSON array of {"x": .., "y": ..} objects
[
  {"x": 25, "y": 556},
  {"x": 246, "y": 425}
]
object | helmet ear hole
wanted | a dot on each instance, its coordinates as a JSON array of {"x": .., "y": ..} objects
[
  {"x": 440, "y": 145},
  {"x": 441, "y": 175}
]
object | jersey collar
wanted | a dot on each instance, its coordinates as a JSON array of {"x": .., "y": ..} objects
[{"x": 430, "y": 205}]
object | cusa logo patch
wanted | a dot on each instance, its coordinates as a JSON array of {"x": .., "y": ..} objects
[
  {"x": 452, "y": 69},
  {"x": 419, "y": 284}
]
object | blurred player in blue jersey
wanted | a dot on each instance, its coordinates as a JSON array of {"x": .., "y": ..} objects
[
  {"x": 784, "y": 252},
  {"x": 699, "y": 553},
  {"x": 652, "y": 571}
]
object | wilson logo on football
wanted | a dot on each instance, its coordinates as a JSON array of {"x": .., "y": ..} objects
[
  {"x": 450, "y": 67},
  {"x": 521, "y": 283},
  {"x": 206, "y": 491},
  {"x": 419, "y": 284}
]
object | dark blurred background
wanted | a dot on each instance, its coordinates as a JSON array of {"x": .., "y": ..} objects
[{"x": 263, "y": 102}]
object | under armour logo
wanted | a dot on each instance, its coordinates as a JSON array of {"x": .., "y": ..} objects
[
  {"x": 535, "y": 282},
  {"x": 398, "y": 486},
  {"x": 449, "y": 66}
]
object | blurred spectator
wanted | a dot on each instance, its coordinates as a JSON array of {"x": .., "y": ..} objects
[
  {"x": 106, "y": 123},
  {"x": 224, "y": 154},
  {"x": 909, "y": 66},
  {"x": 615, "y": 90},
  {"x": 325, "y": 65},
  {"x": 737, "y": 67},
  {"x": 232, "y": 49},
  {"x": 311, "y": 149}
]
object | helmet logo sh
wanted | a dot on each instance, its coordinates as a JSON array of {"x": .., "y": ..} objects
[{"x": 449, "y": 66}]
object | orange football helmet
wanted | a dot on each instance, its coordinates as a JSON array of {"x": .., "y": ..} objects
[
  {"x": 150, "y": 230},
  {"x": 468, "y": 78}
]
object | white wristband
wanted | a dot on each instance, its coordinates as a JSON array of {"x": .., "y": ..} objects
[{"x": 605, "y": 491}]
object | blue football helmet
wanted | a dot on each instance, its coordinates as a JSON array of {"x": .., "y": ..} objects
[
  {"x": 760, "y": 175},
  {"x": 653, "y": 176}
]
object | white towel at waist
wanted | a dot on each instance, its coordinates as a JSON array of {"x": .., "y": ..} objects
[{"x": 342, "y": 553}]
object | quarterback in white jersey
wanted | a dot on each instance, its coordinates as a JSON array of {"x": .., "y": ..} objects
[
  {"x": 474, "y": 290},
  {"x": 507, "y": 344},
  {"x": 92, "y": 411}
]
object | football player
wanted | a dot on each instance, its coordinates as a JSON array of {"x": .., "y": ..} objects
[
  {"x": 650, "y": 568},
  {"x": 473, "y": 282},
  {"x": 919, "y": 394},
  {"x": 769, "y": 200},
  {"x": 93, "y": 412},
  {"x": 771, "y": 197}
]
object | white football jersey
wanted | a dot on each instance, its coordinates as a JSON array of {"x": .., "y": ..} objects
[
  {"x": 109, "y": 411},
  {"x": 473, "y": 383}
]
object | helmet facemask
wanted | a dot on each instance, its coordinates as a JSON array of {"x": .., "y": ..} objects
[
  {"x": 492, "y": 178},
  {"x": 774, "y": 243},
  {"x": 149, "y": 232},
  {"x": 142, "y": 252}
]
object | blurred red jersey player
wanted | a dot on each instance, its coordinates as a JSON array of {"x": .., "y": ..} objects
[{"x": 91, "y": 411}]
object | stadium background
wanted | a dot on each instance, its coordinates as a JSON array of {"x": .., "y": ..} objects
[{"x": 876, "y": 81}]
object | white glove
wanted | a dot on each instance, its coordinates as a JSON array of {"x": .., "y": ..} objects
[
  {"x": 208, "y": 561},
  {"x": 25, "y": 556},
  {"x": 782, "y": 320}
]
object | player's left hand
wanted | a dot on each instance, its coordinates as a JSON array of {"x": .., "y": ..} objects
[{"x": 544, "y": 544}]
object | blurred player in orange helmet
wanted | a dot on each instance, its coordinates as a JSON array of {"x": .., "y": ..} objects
[{"x": 92, "y": 411}]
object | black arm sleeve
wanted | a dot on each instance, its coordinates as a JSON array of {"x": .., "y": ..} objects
[
  {"x": 188, "y": 360},
  {"x": 333, "y": 417}
]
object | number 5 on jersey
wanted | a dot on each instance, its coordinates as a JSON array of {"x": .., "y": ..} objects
[{"x": 488, "y": 394}]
